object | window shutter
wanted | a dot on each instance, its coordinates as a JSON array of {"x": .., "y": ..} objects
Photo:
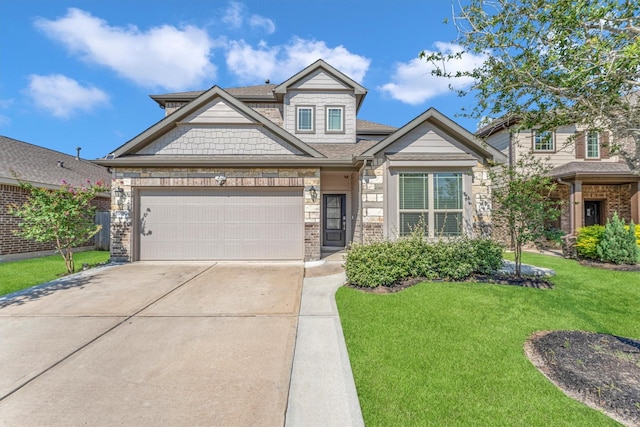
[
  {"x": 604, "y": 145},
  {"x": 580, "y": 138}
]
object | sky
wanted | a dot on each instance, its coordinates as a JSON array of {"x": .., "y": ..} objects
[{"x": 79, "y": 73}]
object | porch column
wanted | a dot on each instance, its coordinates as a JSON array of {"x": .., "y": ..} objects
[
  {"x": 578, "y": 206},
  {"x": 635, "y": 202}
]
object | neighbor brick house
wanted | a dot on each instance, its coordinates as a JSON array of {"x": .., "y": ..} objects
[
  {"x": 283, "y": 172},
  {"x": 592, "y": 183},
  {"x": 21, "y": 161}
]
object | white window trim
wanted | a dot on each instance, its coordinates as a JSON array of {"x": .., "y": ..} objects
[
  {"x": 544, "y": 150},
  {"x": 586, "y": 145},
  {"x": 313, "y": 117},
  {"x": 431, "y": 211},
  {"x": 326, "y": 118}
]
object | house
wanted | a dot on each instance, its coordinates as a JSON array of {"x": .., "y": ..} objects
[
  {"x": 21, "y": 161},
  {"x": 591, "y": 183},
  {"x": 283, "y": 172}
]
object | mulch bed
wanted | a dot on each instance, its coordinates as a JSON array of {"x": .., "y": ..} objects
[
  {"x": 599, "y": 370},
  {"x": 500, "y": 279},
  {"x": 609, "y": 266}
]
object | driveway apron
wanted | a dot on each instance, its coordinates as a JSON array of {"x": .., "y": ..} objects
[{"x": 152, "y": 344}]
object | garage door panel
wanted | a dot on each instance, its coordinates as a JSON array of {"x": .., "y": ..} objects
[{"x": 221, "y": 224}]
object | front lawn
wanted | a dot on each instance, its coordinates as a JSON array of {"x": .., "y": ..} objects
[
  {"x": 18, "y": 275},
  {"x": 452, "y": 353}
]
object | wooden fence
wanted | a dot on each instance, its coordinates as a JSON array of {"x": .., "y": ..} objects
[{"x": 102, "y": 238}]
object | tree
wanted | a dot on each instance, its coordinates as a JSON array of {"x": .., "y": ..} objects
[
  {"x": 522, "y": 203},
  {"x": 554, "y": 62},
  {"x": 64, "y": 216}
]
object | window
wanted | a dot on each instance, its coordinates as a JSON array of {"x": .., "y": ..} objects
[
  {"x": 593, "y": 145},
  {"x": 433, "y": 201},
  {"x": 335, "y": 122},
  {"x": 543, "y": 141},
  {"x": 304, "y": 119}
]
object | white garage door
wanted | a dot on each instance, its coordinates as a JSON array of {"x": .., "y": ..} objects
[{"x": 221, "y": 224}]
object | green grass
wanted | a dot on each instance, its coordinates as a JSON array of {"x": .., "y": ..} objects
[
  {"x": 18, "y": 275},
  {"x": 452, "y": 353}
]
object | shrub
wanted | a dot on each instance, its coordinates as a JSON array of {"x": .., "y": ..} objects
[
  {"x": 618, "y": 244},
  {"x": 385, "y": 263},
  {"x": 588, "y": 238}
]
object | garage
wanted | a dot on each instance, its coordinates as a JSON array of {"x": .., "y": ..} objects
[{"x": 220, "y": 223}]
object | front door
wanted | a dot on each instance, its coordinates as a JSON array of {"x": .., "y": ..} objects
[
  {"x": 335, "y": 220},
  {"x": 591, "y": 213}
]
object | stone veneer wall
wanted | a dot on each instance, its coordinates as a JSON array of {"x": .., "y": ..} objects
[
  {"x": 481, "y": 196},
  {"x": 372, "y": 198},
  {"x": 128, "y": 179}
]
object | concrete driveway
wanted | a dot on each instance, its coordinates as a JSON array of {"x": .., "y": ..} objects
[{"x": 152, "y": 344}]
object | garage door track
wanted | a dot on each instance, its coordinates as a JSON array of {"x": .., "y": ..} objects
[{"x": 152, "y": 344}]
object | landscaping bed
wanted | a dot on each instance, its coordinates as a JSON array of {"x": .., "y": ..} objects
[{"x": 600, "y": 370}]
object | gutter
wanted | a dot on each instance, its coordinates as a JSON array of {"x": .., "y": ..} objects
[{"x": 209, "y": 162}]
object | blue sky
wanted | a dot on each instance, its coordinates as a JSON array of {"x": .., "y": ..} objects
[{"x": 78, "y": 73}]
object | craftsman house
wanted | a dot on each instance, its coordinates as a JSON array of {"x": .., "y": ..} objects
[
  {"x": 592, "y": 183},
  {"x": 285, "y": 171},
  {"x": 21, "y": 161}
]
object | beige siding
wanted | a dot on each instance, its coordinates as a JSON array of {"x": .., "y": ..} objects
[
  {"x": 218, "y": 112},
  {"x": 319, "y": 80},
  {"x": 427, "y": 139},
  {"x": 219, "y": 140}
]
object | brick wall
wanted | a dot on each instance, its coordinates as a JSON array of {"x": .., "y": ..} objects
[
  {"x": 10, "y": 244},
  {"x": 372, "y": 199},
  {"x": 122, "y": 213}
]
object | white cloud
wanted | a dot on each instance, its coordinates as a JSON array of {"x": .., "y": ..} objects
[
  {"x": 63, "y": 96},
  {"x": 255, "y": 64},
  {"x": 267, "y": 24},
  {"x": 234, "y": 14},
  {"x": 165, "y": 56},
  {"x": 413, "y": 83}
]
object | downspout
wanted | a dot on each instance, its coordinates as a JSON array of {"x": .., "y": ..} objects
[{"x": 360, "y": 204}]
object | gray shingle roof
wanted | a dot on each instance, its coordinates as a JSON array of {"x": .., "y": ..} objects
[
  {"x": 39, "y": 165},
  {"x": 365, "y": 126},
  {"x": 343, "y": 151},
  {"x": 591, "y": 168}
]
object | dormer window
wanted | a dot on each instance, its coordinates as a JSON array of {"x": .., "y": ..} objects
[
  {"x": 335, "y": 119},
  {"x": 304, "y": 119}
]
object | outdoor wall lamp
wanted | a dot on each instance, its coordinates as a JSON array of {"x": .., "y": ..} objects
[
  {"x": 119, "y": 191},
  {"x": 313, "y": 193},
  {"x": 221, "y": 179}
]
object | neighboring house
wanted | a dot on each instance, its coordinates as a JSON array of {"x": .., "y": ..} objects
[
  {"x": 21, "y": 161},
  {"x": 283, "y": 172},
  {"x": 592, "y": 183}
]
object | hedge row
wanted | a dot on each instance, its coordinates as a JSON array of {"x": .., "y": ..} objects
[{"x": 385, "y": 263}]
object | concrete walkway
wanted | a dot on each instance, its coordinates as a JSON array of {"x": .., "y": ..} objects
[{"x": 322, "y": 391}]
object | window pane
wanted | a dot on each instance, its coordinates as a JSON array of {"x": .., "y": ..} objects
[
  {"x": 305, "y": 119},
  {"x": 414, "y": 191},
  {"x": 448, "y": 224},
  {"x": 543, "y": 141},
  {"x": 447, "y": 188},
  {"x": 334, "y": 119},
  {"x": 593, "y": 145},
  {"x": 409, "y": 222}
]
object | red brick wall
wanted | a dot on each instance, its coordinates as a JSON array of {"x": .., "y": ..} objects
[{"x": 9, "y": 242}]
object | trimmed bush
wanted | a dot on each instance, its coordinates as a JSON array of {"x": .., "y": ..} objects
[
  {"x": 618, "y": 243},
  {"x": 588, "y": 238},
  {"x": 386, "y": 263}
]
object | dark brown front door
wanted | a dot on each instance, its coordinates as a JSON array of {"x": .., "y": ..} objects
[
  {"x": 335, "y": 219},
  {"x": 592, "y": 213}
]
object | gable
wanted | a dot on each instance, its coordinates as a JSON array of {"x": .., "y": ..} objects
[
  {"x": 320, "y": 80},
  {"x": 427, "y": 139},
  {"x": 218, "y": 111}
]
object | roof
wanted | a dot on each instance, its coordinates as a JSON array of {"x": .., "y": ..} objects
[
  {"x": 496, "y": 126},
  {"x": 337, "y": 151},
  {"x": 21, "y": 161},
  {"x": 367, "y": 127},
  {"x": 263, "y": 92},
  {"x": 449, "y": 126},
  {"x": 601, "y": 169},
  {"x": 169, "y": 122}
]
